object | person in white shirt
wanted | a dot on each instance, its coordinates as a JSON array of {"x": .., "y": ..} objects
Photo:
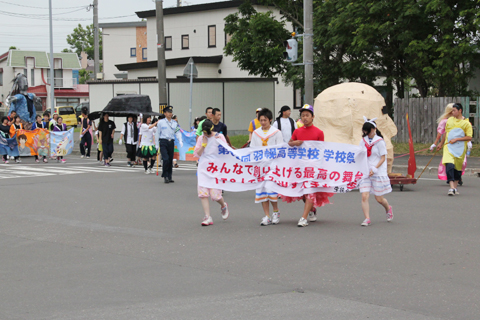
[
  {"x": 264, "y": 136},
  {"x": 377, "y": 182},
  {"x": 285, "y": 124},
  {"x": 147, "y": 143},
  {"x": 130, "y": 133}
]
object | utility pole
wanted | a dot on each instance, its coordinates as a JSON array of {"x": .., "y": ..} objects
[
  {"x": 162, "y": 72},
  {"x": 308, "y": 49},
  {"x": 96, "y": 45},
  {"x": 52, "y": 69}
]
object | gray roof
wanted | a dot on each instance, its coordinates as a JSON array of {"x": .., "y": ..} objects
[{"x": 123, "y": 24}]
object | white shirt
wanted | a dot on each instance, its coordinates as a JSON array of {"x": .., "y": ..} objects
[
  {"x": 147, "y": 135},
  {"x": 379, "y": 149},
  {"x": 274, "y": 137},
  {"x": 286, "y": 128},
  {"x": 128, "y": 137}
]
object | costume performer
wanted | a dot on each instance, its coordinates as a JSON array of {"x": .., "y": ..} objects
[
  {"x": 458, "y": 132},
  {"x": 147, "y": 144},
  {"x": 204, "y": 193},
  {"x": 442, "y": 122},
  {"x": 378, "y": 182},
  {"x": 21, "y": 102},
  {"x": 308, "y": 133},
  {"x": 267, "y": 135},
  {"x": 167, "y": 129}
]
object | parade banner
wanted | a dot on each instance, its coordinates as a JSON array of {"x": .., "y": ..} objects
[
  {"x": 8, "y": 146},
  {"x": 33, "y": 142},
  {"x": 185, "y": 152},
  {"x": 61, "y": 143},
  {"x": 312, "y": 167}
]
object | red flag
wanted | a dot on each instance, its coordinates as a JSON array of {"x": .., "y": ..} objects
[{"x": 412, "y": 164}]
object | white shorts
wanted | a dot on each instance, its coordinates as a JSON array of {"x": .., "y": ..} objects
[
  {"x": 378, "y": 185},
  {"x": 262, "y": 195}
]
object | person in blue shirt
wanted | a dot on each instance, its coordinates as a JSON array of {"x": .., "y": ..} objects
[{"x": 167, "y": 129}]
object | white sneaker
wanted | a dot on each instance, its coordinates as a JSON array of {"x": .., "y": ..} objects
[
  {"x": 456, "y": 192},
  {"x": 366, "y": 223},
  {"x": 6, "y": 161},
  {"x": 312, "y": 216},
  {"x": 225, "y": 212},
  {"x": 451, "y": 192},
  {"x": 17, "y": 161},
  {"x": 276, "y": 217},
  {"x": 302, "y": 222},
  {"x": 147, "y": 172},
  {"x": 150, "y": 170},
  {"x": 82, "y": 157},
  {"x": 266, "y": 221},
  {"x": 207, "y": 221}
]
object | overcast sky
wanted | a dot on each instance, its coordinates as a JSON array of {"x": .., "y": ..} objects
[{"x": 24, "y": 23}]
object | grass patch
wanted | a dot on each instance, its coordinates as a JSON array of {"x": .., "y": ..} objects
[
  {"x": 401, "y": 148},
  {"x": 238, "y": 141}
]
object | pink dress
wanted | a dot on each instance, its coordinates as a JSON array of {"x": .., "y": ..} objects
[{"x": 442, "y": 174}]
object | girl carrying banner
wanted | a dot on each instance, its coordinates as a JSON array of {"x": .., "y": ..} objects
[
  {"x": 267, "y": 135},
  {"x": 60, "y": 126},
  {"x": 378, "y": 181},
  {"x": 204, "y": 193},
  {"x": 17, "y": 125}
]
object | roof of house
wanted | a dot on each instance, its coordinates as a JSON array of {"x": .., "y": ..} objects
[
  {"x": 81, "y": 90},
  {"x": 193, "y": 8},
  {"x": 123, "y": 24},
  {"x": 168, "y": 62},
  {"x": 4, "y": 56},
  {"x": 17, "y": 59}
]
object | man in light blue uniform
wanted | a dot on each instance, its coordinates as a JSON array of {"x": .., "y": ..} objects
[{"x": 167, "y": 129}]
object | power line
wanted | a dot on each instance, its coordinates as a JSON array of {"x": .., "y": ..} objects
[
  {"x": 25, "y": 6},
  {"x": 40, "y": 17}
]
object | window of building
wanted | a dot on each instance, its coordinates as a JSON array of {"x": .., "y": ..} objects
[
  {"x": 1, "y": 78},
  {"x": 57, "y": 77},
  {"x": 185, "y": 41},
  {"x": 228, "y": 37},
  {"x": 32, "y": 77},
  {"x": 168, "y": 43},
  {"x": 144, "y": 53},
  {"x": 212, "y": 36},
  {"x": 133, "y": 52},
  {"x": 67, "y": 102}
]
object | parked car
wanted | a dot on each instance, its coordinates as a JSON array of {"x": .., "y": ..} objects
[
  {"x": 68, "y": 115},
  {"x": 78, "y": 109}
]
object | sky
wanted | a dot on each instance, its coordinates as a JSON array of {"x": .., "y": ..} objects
[{"x": 25, "y": 23}]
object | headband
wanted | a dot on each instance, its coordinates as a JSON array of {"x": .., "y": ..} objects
[{"x": 371, "y": 121}]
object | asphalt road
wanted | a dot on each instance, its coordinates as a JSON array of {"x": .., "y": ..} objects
[{"x": 84, "y": 242}]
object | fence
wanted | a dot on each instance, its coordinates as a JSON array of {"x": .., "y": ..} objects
[{"x": 423, "y": 114}]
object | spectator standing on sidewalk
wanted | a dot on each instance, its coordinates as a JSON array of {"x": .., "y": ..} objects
[
  {"x": 106, "y": 131},
  {"x": 254, "y": 125}
]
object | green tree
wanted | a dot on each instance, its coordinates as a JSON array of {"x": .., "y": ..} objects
[
  {"x": 84, "y": 76},
  {"x": 81, "y": 39},
  {"x": 433, "y": 42},
  {"x": 67, "y": 50},
  {"x": 13, "y": 48}
]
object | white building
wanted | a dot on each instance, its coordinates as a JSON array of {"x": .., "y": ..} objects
[
  {"x": 130, "y": 65},
  {"x": 36, "y": 66}
]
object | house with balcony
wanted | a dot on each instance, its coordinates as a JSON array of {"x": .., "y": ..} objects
[
  {"x": 36, "y": 66},
  {"x": 194, "y": 31}
]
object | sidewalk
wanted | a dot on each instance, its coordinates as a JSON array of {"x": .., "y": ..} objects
[{"x": 400, "y": 165}]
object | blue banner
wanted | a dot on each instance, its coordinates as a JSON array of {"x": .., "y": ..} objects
[
  {"x": 61, "y": 143},
  {"x": 9, "y": 146},
  {"x": 186, "y": 151}
]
